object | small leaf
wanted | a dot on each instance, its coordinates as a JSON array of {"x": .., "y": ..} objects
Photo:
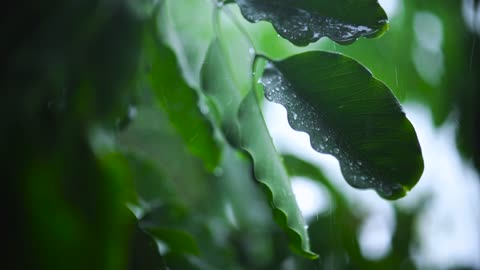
[
  {"x": 350, "y": 115},
  {"x": 167, "y": 223},
  {"x": 306, "y": 21},
  {"x": 144, "y": 253},
  {"x": 243, "y": 123},
  {"x": 177, "y": 240}
]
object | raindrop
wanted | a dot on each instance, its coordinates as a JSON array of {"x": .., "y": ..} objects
[
  {"x": 132, "y": 111},
  {"x": 203, "y": 106}
]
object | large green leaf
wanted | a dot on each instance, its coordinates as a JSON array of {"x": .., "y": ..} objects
[
  {"x": 181, "y": 102},
  {"x": 351, "y": 115},
  {"x": 243, "y": 123},
  {"x": 306, "y": 21}
]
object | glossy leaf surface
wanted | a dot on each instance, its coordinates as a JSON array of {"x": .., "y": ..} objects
[
  {"x": 350, "y": 115},
  {"x": 306, "y": 21}
]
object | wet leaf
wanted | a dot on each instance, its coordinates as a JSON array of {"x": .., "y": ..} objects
[
  {"x": 306, "y": 21},
  {"x": 350, "y": 115},
  {"x": 269, "y": 171},
  {"x": 243, "y": 123}
]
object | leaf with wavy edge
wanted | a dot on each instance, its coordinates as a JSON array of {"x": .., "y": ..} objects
[
  {"x": 350, "y": 115},
  {"x": 270, "y": 171},
  {"x": 306, "y": 21},
  {"x": 243, "y": 123}
]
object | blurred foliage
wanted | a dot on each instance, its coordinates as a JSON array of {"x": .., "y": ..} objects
[{"x": 121, "y": 149}]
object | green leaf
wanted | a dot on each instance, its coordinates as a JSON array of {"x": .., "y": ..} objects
[
  {"x": 177, "y": 240},
  {"x": 144, "y": 253},
  {"x": 188, "y": 34},
  {"x": 306, "y": 21},
  {"x": 143, "y": 8},
  {"x": 350, "y": 115},
  {"x": 150, "y": 183},
  {"x": 151, "y": 139},
  {"x": 166, "y": 222},
  {"x": 243, "y": 123},
  {"x": 269, "y": 171},
  {"x": 181, "y": 103}
]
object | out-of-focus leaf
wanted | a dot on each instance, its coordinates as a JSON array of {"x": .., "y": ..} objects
[
  {"x": 79, "y": 204},
  {"x": 80, "y": 58},
  {"x": 144, "y": 253},
  {"x": 243, "y": 123},
  {"x": 238, "y": 184},
  {"x": 350, "y": 115},
  {"x": 144, "y": 8},
  {"x": 333, "y": 234},
  {"x": 306, "y": 21},
  {"x": 189, "y": 35},
  {"x": 177, "y": 240},
  {"x": 180, "y": 261},
  {"x": 180, "y": 102},
  {"x": 468, "y": 133},
  {"x": 169, "y": 223},
  {"x": 151, "y": 185},
  {"x": 342, "y": 224},
  {"x": 299, "y": 167},
  {"x": 153, "y": 139},
  {"x": 190, "y": 187}
]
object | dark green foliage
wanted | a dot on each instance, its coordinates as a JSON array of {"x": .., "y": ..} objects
[{"x": 133, "y": 138}]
